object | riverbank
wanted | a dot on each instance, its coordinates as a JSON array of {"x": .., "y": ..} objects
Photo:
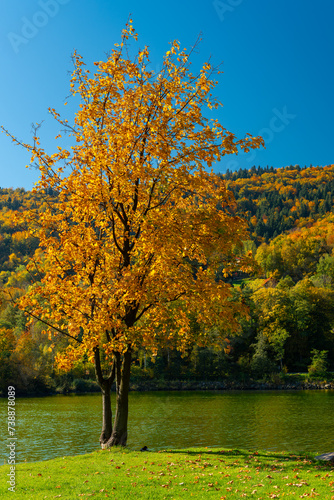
[
  {"x": 276, "y": 382},
  {"x": 181, "y": 474},
  {"x": 230, "y": 385}
]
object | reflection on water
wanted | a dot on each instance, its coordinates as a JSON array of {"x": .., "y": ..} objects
[{"x": 284, "y": 420}]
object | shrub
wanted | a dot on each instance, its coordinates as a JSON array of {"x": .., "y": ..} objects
[
  {"x": 319, "y": 363},
  {"x": 262, "y": 364}
]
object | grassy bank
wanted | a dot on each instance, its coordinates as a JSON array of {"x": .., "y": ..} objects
[{"x": 173, "y": 474}]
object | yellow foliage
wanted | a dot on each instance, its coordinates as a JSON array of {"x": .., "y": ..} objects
[{"x": 130, "y": 246}]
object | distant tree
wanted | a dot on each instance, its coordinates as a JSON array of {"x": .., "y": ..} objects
[
  {"x": 325, "y": 271},
  {"x": 319, "y": 363},
  {"x": 295, "y": 318}
]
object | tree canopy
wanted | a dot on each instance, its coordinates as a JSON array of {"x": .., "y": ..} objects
[{"x": 135, "y": 226}]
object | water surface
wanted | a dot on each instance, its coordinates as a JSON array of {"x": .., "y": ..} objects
[{"x": 273, "y": 420}]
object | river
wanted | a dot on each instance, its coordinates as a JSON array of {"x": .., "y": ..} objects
[{"x": 298, "y": 421}]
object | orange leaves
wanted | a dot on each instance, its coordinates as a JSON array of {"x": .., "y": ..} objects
[
  {"x": 7, "y": 341},
  {"x": 132, "y": 242}
]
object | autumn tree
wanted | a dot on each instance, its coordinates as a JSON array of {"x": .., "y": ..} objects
[{"x": 130, "y": 244}]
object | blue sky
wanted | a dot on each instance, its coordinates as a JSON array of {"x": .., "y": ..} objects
[{"x": 277, "y": 57}]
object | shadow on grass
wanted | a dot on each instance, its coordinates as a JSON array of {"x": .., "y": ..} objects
[{"x": 303, "y": 459}]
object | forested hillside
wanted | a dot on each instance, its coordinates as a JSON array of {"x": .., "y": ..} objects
[
  {"x": 276, "y": 200},
  {"x": 15, "y": 242},
  {"x": 290, "y": 297}
]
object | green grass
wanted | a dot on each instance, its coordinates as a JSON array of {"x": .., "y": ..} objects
[
  {"x": 242, "y": 281},
  {"x": 173, "y": 474}
]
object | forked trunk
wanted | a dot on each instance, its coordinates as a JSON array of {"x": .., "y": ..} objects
[
  {"x": 105, "y": 385},
  {"x": 120, "y": 431}
]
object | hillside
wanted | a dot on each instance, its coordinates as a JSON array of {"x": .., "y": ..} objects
[
  {"x": 290, "y": 299},
  {"x": 272, "y": 200},
  {"x": 276, "y": 200}
]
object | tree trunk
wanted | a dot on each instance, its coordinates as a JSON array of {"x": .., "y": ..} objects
[
  {"x": 106, "y": 416},
  {"x": 105, "y": 385},
  {"x": 120, "y": 430}
]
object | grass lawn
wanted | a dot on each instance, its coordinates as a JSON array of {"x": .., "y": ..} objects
[
  {"x": 173, "y": 474},
  {"x": 242, "y": 281}
]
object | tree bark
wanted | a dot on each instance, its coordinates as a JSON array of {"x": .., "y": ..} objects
[
  {"x": 106, "y": 416},
  {"x": 105, "y": 385},
  {"x": 120, "y": 429}
]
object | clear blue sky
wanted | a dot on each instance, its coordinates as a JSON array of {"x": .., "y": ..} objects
[{"x": 278, "y": 63}]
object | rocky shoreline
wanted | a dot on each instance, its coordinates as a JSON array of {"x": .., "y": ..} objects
[
  {"x": 90, "y": 386},
  {"x": 179, "y": 385}
]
